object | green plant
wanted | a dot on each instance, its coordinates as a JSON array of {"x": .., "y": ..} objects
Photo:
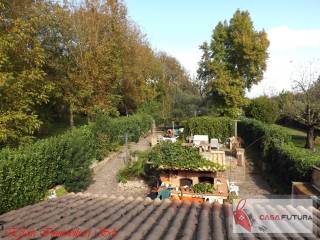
[
  {"x": 27, "y": 172},
  {"x": 215, "y": 127},
  {"x": 278, "y": 157},
  {"x": 169, "y": 155},
  {"x": 131, "y": 170},
  {"x": 263, "y": 109},
  {"x": 111, "y": 132},
  {"x": 203, "y": 188}
]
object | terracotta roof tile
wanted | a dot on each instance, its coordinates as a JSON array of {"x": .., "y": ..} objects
[{"x": 93, "y": 216}]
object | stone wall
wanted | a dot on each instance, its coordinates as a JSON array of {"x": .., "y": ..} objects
[{"x": 174, "y": 177}]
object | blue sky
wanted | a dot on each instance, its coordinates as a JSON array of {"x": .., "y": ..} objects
[{"x": 180, "y": 26}]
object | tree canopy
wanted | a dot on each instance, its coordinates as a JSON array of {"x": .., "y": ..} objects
[
  {"x": 59, "y": 62},
  {"x": 233, "y": 62}
]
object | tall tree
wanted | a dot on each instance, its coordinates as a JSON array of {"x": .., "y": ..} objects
[
  {"x": 304, "y": 105},
  {"x": 237, "y": 60},
  {"x": 23, "y": 86}
]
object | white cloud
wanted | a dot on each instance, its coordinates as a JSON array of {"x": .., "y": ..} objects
[
  {"x": 283, "y": 38},
  {"x": 288, "y": 49}
]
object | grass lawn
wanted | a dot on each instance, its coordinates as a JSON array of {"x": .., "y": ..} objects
[{"x": 299, "y": 138}]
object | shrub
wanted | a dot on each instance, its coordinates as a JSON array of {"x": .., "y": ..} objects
[
  {"x": 26, "y": 173},
  {"x": 263, "y": 109},
  {"x": 131, "y": 170},
  {"x": 111, "y": 132},
  {"x": 203, "y": 188},
  {"x": 279, "y": 158},
  {"x": 215, "y": 127}
]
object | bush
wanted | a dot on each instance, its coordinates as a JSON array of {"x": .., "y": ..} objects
[
  {"x": 215, "y": 127},
  {"x": 28, "y": 172},
  {"x": 111, "y": 132},
  {"x": 203, "y": 188},
  {"x": 280, "y": 159},
  {"x": 131, "y": 170},
  {"x": 263, "y": 109}
]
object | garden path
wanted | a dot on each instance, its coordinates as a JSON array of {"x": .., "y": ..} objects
[
  {"x": 249, "y": 179},
  {"x": 104, "y": 179}
]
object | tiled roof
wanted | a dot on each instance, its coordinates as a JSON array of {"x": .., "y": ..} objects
[
  {"x": 199, "y": 169},
  {"x": 129, "y": 218}
]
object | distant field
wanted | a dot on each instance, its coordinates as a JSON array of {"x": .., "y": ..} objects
[{"x": 299, "y": 138}]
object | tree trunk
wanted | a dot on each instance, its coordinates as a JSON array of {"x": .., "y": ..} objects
[
  {"x": 310, "y": 138},
  {"x": 71, "y": 116}
]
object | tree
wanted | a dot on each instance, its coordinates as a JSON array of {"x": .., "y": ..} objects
[
  {"x": 59, "y": 62},
  {"x": 23, "y": 86},
  {"x": 234, "y": 62},
  {"x": 263, "y": 109},
  {"x": 305, "y": 105}
]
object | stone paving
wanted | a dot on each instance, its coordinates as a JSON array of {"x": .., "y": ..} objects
[{"x": 248, "y": 178}]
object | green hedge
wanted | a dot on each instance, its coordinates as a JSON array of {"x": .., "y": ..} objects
[
  {"x": 280, "y": 159},
  {"x": 27, "y": 172},
  {"x": 111, "y": 132},
  {"x": 215, "y": 127}
]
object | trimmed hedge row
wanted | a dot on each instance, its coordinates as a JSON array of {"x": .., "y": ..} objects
[
  {"x": 215, "y": 127},
  {"x": 280, "y": 159},
  {"x": 111, "y": 132},
  {"x": 26, "y": 173}
]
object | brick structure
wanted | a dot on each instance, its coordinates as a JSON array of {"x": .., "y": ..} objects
[{"x": 179, "y": 178}]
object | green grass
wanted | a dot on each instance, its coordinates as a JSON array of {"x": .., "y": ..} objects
[{"x": 299, "y": 138}]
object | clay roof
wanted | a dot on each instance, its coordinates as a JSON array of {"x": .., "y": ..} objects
[
  {"x": 130, "y": 218},
  {"x": 199, "y": 169}
]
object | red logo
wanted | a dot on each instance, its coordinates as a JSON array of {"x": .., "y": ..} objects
[{"x": 240, "y": 216}]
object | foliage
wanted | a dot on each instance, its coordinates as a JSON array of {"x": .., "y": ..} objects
[
  {"x": 174, "y": 156},
  {"x": 215, "y": 127},
  {"x": 132, "y": 169},
  {"x": 233, "y": 62},
  {"x": 111, "y": 132},
  {"x": 278, "y": 156},
  {"x": 263, "y": 109},
  {"x": 304, "y": 106},
  {"x": 185, "y": 105},
  {"x": 59, "y": 61},
  {"x": 23, "y": 86},
  {"x": 28, "y": 172},
  {"x": 152, "y": 108},
  {"x": 203, "y": 188}
]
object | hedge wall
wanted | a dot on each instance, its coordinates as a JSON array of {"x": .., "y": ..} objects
[
  {"x": 280, "y": 159},
  {"x": 110, "y": 132},
  {"x": 215, "y": 127},
  {"x": 26, "y": 173}
]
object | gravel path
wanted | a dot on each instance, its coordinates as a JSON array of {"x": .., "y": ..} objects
[{"x": 104, "y": 179}]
